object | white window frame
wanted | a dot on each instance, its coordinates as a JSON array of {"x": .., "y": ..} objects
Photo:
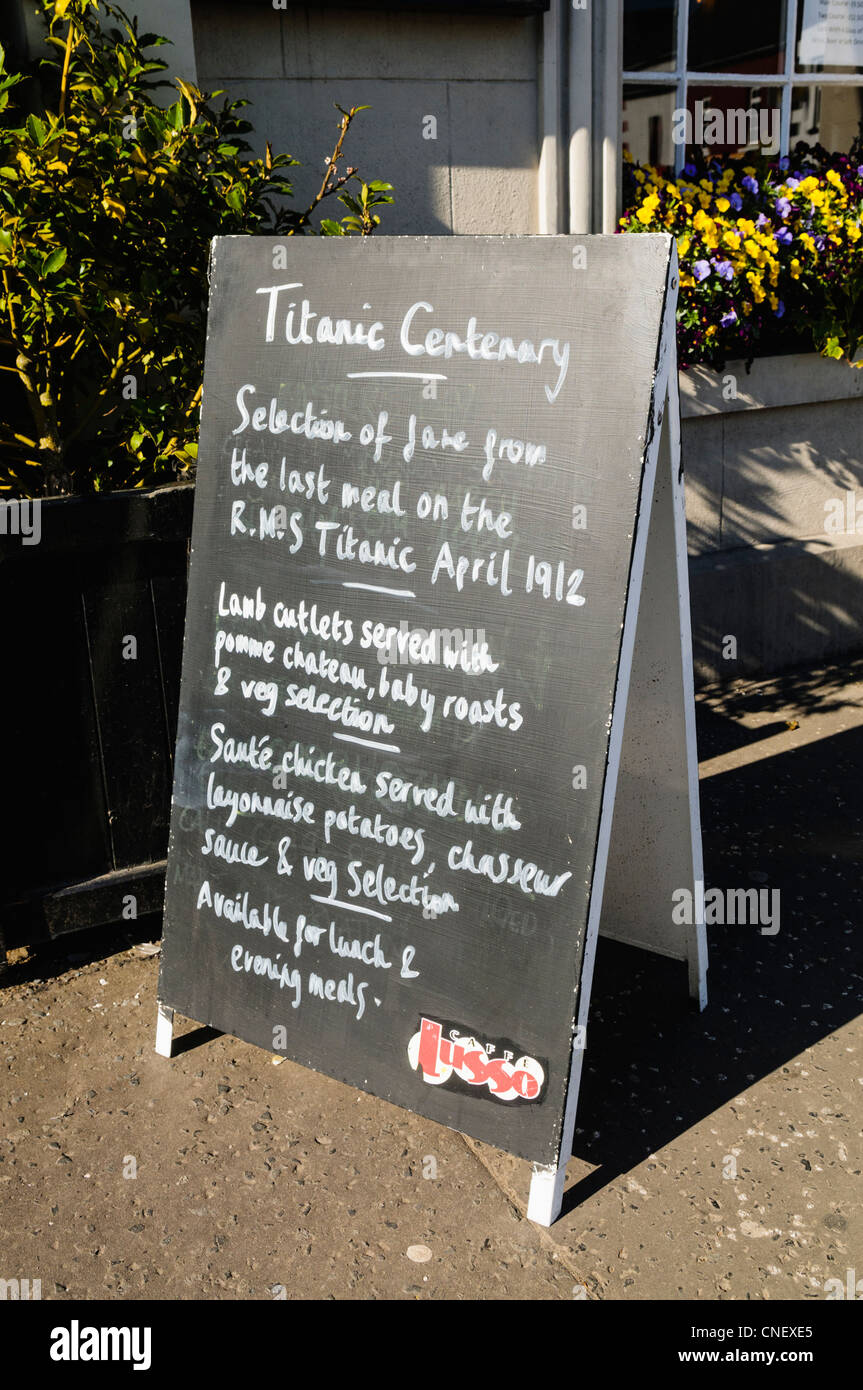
[{"x": 681, "y": 77}]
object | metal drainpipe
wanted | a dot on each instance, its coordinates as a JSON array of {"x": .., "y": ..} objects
[
  {"x": 550, "y": 174},
  {"x": 580, "y": 111},
  {"x": 608, "y": 112}
]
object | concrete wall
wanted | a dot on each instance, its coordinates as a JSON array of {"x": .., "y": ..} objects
[
  {"x": 476, "y": 75},
  {"x": 764, "y": 471},
  {"x": 170, "y": 18}
]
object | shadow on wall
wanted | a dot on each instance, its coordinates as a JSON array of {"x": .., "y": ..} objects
[
  {"x": 764, "y": 569},
  {"x": 790, "y": 604},
  {"x": 453, "y": 98}
]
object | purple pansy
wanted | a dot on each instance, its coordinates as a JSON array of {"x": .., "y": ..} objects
[
  {"x": 701, "y": 270},
  {"x": 724, "y": 269},
  {"x": 690, "y": 171},
  {"x": 783, "y": 236},
  {"x": 780, "y": 309},
  {"x": 728, "y": 319},
  {"x": 736, "y": 201},
  {"x": 750, "y": 184},
  {"x": 792, "y": 182},
  {"x": 783, "y": 206}
]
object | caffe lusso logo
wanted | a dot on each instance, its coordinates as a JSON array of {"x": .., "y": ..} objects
[{"x": 440, "y": 1059}]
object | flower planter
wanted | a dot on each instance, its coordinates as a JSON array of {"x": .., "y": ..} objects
[{"x": 94, "y": 627}]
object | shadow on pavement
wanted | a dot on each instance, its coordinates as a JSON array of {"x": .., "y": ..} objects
[{"x": 792, "y": 822}]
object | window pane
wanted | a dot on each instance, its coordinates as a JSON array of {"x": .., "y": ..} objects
[
  {"x": 649, "y": 34},
  {"x": 648, "y": 123},
  {"x": 737, "y": 35},
  {"x": 725, "y": 121},
  {"x": 828, "y": 116},
  {"x": 829, "y": 36}
]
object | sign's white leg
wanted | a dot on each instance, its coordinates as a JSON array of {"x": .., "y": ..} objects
[
  {"x": 164, "y": 1030},
  {"x": 546, "y": 1193}
]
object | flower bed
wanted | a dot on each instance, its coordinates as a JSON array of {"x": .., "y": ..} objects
[{"x": 768, "y": 251}]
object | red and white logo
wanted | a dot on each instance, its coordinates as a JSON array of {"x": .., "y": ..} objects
[{"x": 438, "y": 1058}]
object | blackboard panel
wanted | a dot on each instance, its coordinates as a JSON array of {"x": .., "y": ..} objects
[{"x": 466, "y": 893}]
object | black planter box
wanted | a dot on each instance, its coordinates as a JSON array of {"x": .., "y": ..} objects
[{"x": 90, "y": 716}]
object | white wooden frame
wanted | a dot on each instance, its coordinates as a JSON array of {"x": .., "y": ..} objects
[
  {"x": 792, "y": 76},
  {"x": 662, "y": 656}
]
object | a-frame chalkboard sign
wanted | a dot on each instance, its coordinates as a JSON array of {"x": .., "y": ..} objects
[{"x": 436, "y": 723}]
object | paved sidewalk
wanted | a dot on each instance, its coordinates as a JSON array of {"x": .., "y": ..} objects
[{"x": 719, "y": 1156}]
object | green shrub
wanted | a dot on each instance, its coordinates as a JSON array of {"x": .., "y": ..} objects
[{"x": 108, "y": 203}]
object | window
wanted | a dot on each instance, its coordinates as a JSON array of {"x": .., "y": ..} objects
[{"x": 723, "y": 76}]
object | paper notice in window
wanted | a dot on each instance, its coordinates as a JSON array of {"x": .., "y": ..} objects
[{"x": 832, "y": 33}]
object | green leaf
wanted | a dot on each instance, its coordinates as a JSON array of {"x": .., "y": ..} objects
[
  {"x": 54, "y": 261},
  {"x": 331, "y": 228},
  {"x": 155, "y": 122},
  {"x": 36, "y": 129}
]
